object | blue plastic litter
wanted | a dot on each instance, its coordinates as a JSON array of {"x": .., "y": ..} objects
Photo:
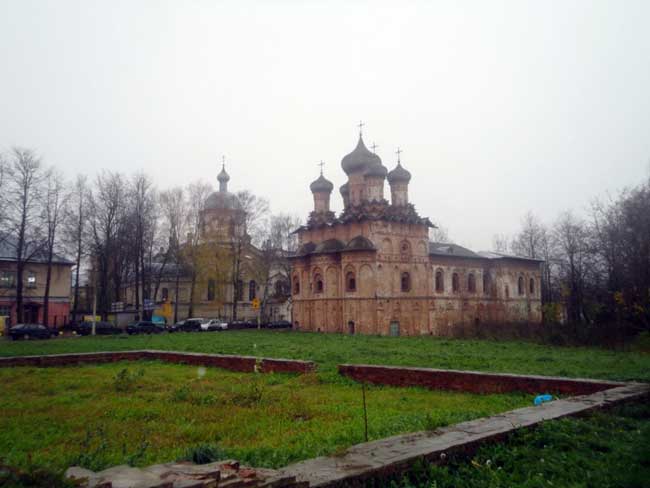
[{"x": 539, "y": 399}]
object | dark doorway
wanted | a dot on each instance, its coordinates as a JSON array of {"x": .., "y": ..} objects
[
  {"x": 351, "y": 327},
  {"x": 30, "y": 314}
]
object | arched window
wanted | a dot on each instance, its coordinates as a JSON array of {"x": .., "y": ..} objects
[
  {"x": 520, "y": 286},
  {"x": 296, "y": 285},
  {"x": 507, "y": 291},
  {"x": 487, "y": 283},
  {"x": 455, "y": 283},
  {"x": 405, "y": 247},
  {"x": 318, "y": 281},
  {"x": 440, "y": 281},
  {"x": 350, "y": 281},
  {"x": 252, "y": 290},
  {"x": 406, "y": 282},
  {"x": 211, "y": 287},
  {"x": 471, "y": 283},
  {"x": 531, "y": 286}
]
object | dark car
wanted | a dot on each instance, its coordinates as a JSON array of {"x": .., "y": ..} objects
[
  {"x": 101, "y": 328},
  {"x": 192, "y": 325},
  {"x": 279, "y": 324},
  {"x": 144, "y": 327},
  {"x": 31, "y": 331}
]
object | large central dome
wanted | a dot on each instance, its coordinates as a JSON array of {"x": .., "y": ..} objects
[{"x": 359, "y": 159}]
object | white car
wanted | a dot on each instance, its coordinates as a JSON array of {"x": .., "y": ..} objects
[{"x": 214, "y": 324}]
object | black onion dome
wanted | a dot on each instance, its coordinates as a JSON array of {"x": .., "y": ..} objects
[
  {"x": 378, "y": 170},
  {"x": 345, "y": 189},
  {"x": 329, "y": 246},
  {"x": 360, "y": 243},
  {"x": 322, "y": 184},
  {"x": 359, "y": 159},
  {"x": 223, "y": 177},
  {"x": 399, "y": 174}
]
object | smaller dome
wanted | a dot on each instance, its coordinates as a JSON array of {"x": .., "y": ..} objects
[
  {"x": 322, "y": 184},
  {"x": 223, "y": 177},
  {"x": 306, "y": 248},
  {"x": 359, "y": 159},
  {"x": 360, "y": 243},
  {"x": 399, "y": 174},
  {"x": 329, "y": 246},
  {"x": 378, "y": 170},
  {"x": 345, "y": 189}
]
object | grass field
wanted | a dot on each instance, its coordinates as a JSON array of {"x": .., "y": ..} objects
[
  {"x": 146, "y": 412},
  {"x": 328, "y": 350}
]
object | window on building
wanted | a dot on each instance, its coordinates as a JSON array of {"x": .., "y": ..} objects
[
  {"x": 296, "y": 285},
  {"x": 240, "y": 290},
  {"x": 280, "y": 288},
  {"x": 252, "y": 290},
  {"x": 318, "y": 280},
  {"x": 471, "y": 283},
  {"x": 487, "y": 283},
  {"x": 350, "y": 282},
  {"x": 211, "y": 290},
  {"x": 455, "y": 283},
  {"x": 440, "y": 281},
  {"x": 31, "y": 279},
  {"x": 531, "y": 286},
  {"x": 406, "y": 282},
  {"x": 520, "y": 286},
  {"x": 5, "y": 311},
  {"x": 165, "y": 294},
  {"x": 507, "y": 291},
  {"x": 7, "y": 279}
]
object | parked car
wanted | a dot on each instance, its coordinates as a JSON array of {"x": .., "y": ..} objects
[
  {"x": 101, "y": 328},
  {"x": 144, "y": 327},
  {"x": 192, "y": 325},
  {"x": 177, "y": 327},
  {"x": 214, "y": 324},
  {"x": 279, "y": 324},
  {"x": 31, "y": 331}
]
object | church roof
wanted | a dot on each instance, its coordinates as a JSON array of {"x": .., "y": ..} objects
[
  {"x": 376, "y": 170},
  {"x": 450, "y": 249},
  {"x": 345, "y": 189},
  {"x": 221, "y": 200},
  {"x": 360, "y": 243},
  {"x": 399, "y": 174},
  {"x": 321, "y": 184},
  {"x": 359, "y": 159},
  {"x": 329, "y": 246}
]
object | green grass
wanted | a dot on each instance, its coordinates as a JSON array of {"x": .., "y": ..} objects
[
  {"x": 328, "y": 350},
  {"x": 144, "y": 412},
  {"x": 604, "y": 450}
]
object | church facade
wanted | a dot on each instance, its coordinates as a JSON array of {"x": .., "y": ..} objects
[{"x": 373, "y": 270}]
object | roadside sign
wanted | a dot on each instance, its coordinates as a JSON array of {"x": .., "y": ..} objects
[
  {"x": 255, "y": 303},
  {"x": 117, "y": 307}
]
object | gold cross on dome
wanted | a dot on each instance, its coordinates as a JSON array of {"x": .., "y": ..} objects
[
  {"x": 398, "y": 152},
  {"x": 374, "y": 147},
  {"x": 360, "y": 126},
  {"x": 321, "y": 164}
]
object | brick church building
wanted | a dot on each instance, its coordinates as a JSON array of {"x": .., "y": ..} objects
[{"x": 373, "y": 270}]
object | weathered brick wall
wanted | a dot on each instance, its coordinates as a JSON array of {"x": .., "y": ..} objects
[
  {"x": 471, "y": 381},
  {"x": 246, "y": 364}
]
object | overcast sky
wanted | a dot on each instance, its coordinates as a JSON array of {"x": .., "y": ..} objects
[{"x": 499, "y": 107}]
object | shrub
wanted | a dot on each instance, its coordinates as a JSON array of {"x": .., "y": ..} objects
[{"x": 204, "y": 454}]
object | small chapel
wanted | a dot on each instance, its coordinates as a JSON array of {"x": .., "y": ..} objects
[{"x": 373, "y": 270}]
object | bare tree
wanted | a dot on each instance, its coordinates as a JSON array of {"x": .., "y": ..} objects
[
  {"x": 75, "y": 232},
  {"x": 439, "y": 234},
  {"x": 24, "y": 178},
  {"x": 174, "y": 210},
  {"x": 247, "y": 227},
  {"x": 107, "y": 217},
  {"x": 55, "y": 198},
  {"x": 500, "y": 243},
  {"x": 197, "y": 194}
]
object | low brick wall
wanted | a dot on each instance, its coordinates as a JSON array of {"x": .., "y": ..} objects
[
  {"x": 471, "y": 381},
  {"x": 245, "y": 364}
]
